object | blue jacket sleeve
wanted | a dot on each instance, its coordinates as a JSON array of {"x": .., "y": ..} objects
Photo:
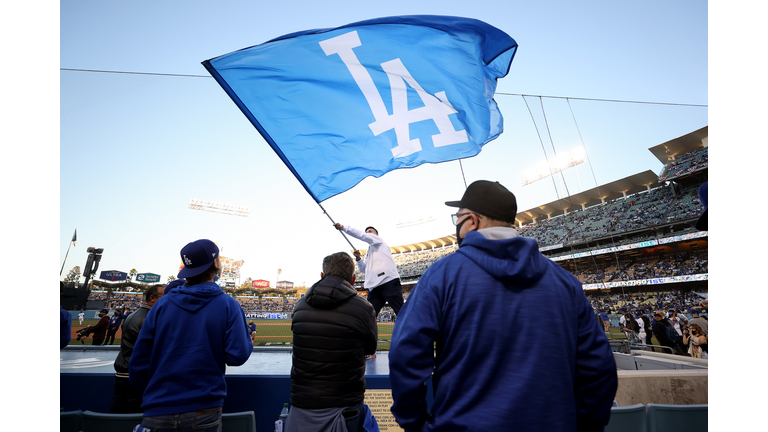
[
  {"x": 596, "y": 378},
  {"x": 237, "y": 346},
  {"x": 411, "y": 356},
  {"x": 138, "y": 367}
]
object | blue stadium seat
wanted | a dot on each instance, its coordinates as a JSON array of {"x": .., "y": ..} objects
[
  {"x": 627, "y": 419},
  {"x": 101, "y": 422},
  {"x": 70, "y": 421},
  {"x": 238, "y": 422},
  {"x": 663, "y": 418}
]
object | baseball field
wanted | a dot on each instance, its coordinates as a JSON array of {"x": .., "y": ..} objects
[
  {"x": 270, "y": 333},
  {"x": 277, "y": 333}
]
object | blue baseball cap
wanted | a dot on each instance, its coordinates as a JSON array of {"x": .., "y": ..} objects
[
  {"x": 197, "y": 257},
  {"x": 173, "y": 284}
]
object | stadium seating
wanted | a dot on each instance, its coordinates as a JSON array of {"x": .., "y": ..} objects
[
  {"x": 664, "y": 418},
  {"x": 71, "y": 421},
  {"x": 658, "y": 418},
  {"x": 102, "y": 422},
  {"x": 238, "y": 422},
  {"x": 627, "y": 419}
]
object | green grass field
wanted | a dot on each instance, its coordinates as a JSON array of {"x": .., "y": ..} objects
[
  {"x": 277, "y": 333},
  {"x": 270, "y": 333}
]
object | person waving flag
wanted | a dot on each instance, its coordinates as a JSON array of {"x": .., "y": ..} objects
[{"x": 338, "y": 105}]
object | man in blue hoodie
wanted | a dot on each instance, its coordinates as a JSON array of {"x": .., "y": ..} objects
[
  {"x": 114, "y": 325},
  {"x": 187, "y": 340},
  {"x": 495, "y": 367}
]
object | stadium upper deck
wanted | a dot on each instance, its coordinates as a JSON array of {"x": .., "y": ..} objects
[{"x": 644, "y": 208}]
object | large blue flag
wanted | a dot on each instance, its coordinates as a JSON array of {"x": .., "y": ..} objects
[{"x": 338, "y": 105}]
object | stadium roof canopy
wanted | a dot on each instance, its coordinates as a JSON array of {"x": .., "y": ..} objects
[
  {"x": 425, "y": 245},
  {"x": 695, "y": 140},
  {"x": 620, "y": 188}
]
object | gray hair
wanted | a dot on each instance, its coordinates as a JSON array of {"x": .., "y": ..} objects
[{"x": 340, "y": 265}]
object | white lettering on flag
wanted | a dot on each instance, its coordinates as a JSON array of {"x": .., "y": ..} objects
[{"x": 436, "y": 107}]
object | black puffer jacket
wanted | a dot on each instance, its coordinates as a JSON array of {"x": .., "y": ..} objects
[
  {"x": 333, "y": 330},
  {"x": 131, "y": 327}
]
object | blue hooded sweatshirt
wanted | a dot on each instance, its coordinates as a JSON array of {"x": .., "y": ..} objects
[
  {"x": 180, "y": 356},
  {"x": 517, "y": 345}
]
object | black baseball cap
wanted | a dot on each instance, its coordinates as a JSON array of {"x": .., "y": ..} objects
[{"x": 489, "y": 199}]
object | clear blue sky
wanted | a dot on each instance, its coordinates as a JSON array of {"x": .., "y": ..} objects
[
  {"x": 119, "y": 156},
  {"x": 136, "y": 148}
]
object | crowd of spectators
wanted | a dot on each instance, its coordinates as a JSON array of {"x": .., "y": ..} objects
[
  {"x": 117, "y": 300},
  {"x": 253, "y": 304},
  {"x": 633, "y": 268},
  {"x": 411, "y": 264},
  {"x": 647, "y": 301},
  {"x": 645, "y": 209},
  {"x": 686, "y": 163}
]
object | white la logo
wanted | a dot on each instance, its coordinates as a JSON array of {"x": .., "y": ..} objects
[
  {"x": 187, "y": 261},
  {"x": 435, "y": 107}
]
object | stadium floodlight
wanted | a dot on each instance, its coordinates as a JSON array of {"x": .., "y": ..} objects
[
  {"x": 561, "y": 163},
  {"x": 217, "y": 207}
]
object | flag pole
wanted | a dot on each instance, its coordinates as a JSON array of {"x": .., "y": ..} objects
[
  {"x": 65, "y": 258},
  {"x": 342, "y": 232}
]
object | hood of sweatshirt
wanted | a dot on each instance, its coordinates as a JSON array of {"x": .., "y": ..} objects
[
  {"x": 329, "y": 293},
  {"x": 195, "y": 297},
  {"x": 515, "y": 260}
]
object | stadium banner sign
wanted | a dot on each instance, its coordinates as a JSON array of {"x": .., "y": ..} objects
[
  {"x": 652, "y": 281},
  {"x": 261, "y": 283},
  {"x": 268, "y": 315},
  {"x": 284, "y": 285},
  {"x": 551, "y": 247},
  {"x": 113, "y": 275},
  {"x": 627, "y": 247},
  {"x": 147, "y": 277},
  {"x": 684, "y": 237}
]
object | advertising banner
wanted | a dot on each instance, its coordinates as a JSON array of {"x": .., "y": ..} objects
[
  {"x": 261, "y": 283},
  {"x": 268, "y": 315},
  {"x": 147, "y": 277},
  {"x": 113, "y": 275},
  {"x": 284, "y": 285}
]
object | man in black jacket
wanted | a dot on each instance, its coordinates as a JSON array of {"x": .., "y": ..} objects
[
  {"x": 333, "y": 330},
  {"x": 660, "y": 331},
  {"x": 125, "y": 398}
]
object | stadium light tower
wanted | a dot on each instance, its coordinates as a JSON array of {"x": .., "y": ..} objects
[
  {"x": 217, "y": 207},
  {"x": 561, "y": 163},
  {"x": 92, "y": 264}
]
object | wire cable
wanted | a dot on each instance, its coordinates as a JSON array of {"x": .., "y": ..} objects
[{"x": 498, "y": 93}]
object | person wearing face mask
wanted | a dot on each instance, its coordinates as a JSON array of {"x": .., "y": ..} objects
[
  {"x": 182, "y": 377},
  {"x": 478, "y": 307}
]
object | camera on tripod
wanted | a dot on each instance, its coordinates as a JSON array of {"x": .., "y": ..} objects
[{"x": 83, "y": 333}]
